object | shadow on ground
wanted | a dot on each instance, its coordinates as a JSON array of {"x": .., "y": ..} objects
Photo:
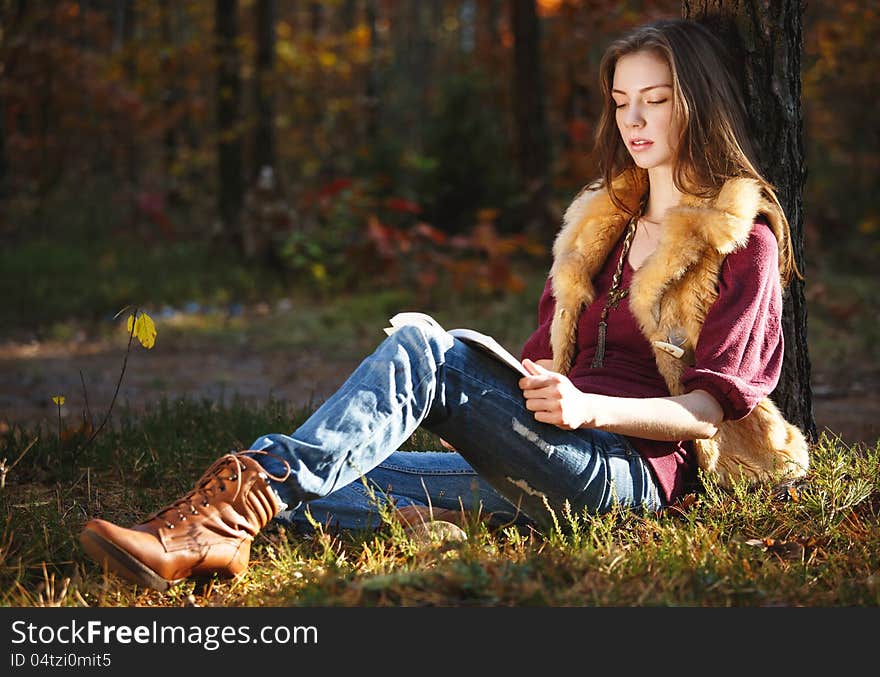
[{"x": 846, "y": 401}]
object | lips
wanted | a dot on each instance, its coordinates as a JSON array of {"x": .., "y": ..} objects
[{"x": 640, "y": 144}]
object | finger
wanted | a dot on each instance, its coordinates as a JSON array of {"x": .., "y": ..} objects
[
  {"x": 536, "y": 382},
  {"x": 534, "y": 367},
  {"x": 549, "y": 391},
  {"x": 551, "y": 418},
  {"x": 530, "y": 366},
  {"x": 545, "y": 395},
  {"x": 545, "y": 417},
  {"x": 536, "y": 404}
]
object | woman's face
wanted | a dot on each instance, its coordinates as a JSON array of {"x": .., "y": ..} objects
[{"x": 642, "y": 91}]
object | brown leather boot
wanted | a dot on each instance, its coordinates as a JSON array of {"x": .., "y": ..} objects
[
  {"x": 411, "y": 515},
  {"x": 432, "y": 526},
  {"x": 207, "y": 531}
]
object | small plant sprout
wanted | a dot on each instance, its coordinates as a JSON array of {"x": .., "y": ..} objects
[
  {"x": 5, "y": 467},
  {"x": 59, "y": 402}
]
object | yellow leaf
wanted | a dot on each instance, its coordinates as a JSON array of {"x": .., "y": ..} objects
[
  {"x": 144, "y": 329},
  {"x": 361, "y": 36},
  {"x": 869, "y": 225},
  {"x": 327, "y": 59},
  {"x": 58, "y": 399}
]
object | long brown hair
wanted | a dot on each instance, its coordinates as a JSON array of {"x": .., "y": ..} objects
[{"x": 714, "y": 143}]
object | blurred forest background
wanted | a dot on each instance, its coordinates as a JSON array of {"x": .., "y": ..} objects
[{"x": 159, "y": 153}]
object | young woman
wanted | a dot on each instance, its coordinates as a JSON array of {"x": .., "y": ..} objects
[{"x": 659, "y": 327}]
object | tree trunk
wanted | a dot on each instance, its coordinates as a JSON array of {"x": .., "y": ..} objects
[
  {"x": 229, "y": 150},
  {"x": 170, "y": 100},
  {"x": 372, "y": 84},
  {"x": 4, "y": 170},
  {"x": 487, "y": 36},
  {"x": 11, "y": 18},
  {"x": 348, "y": 15},
  {"x": 316, "y": 18},
  {"x": 264, "y": 138},
  {"x": 533, "y": 158},
  {"x": 766, "y": 41},
  {"x": 412, "y": 60},
  {"x": 124, "y": 36}
]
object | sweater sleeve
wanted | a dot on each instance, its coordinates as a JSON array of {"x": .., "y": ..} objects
[
  {"x": 537, "y": 346},
  {"x": 738, "y": 358}
]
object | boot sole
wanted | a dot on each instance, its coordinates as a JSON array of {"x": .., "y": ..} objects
[{"x": 123, "y": 564}]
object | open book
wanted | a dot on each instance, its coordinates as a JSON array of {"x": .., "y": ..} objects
[{"x": 469, "y": 336}]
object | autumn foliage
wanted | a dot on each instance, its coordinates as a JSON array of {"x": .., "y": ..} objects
[{"x": 391, "y": 131}]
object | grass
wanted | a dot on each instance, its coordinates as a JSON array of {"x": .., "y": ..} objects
[
  {"x": 843, "y": 316},
  {"x": 50, "y": 283},
  {"x": 819, "y": 547}
]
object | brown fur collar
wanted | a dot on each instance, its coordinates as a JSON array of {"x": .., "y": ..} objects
[
  {"x": 593, "y": 224},
  {"x": 669, "y": 296}
]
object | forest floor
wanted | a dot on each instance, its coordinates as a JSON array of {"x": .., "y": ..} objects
[{"x": 846, "y": 398}]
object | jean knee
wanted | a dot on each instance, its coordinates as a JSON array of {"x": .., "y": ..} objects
[
  {"x": 415, "y": 334},
  {"x": 423, "y": 339}
]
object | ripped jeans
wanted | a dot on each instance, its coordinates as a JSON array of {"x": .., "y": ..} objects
[{"x": 344, "y": 460}]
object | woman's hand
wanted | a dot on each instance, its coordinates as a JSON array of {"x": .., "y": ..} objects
[
  {"x": 556, "y": 400},
  {"x": 552, "y": 397}
]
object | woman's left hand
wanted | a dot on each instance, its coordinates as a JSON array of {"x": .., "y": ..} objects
[{"x": 553, "y": 398}]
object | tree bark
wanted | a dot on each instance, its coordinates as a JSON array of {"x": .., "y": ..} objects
[
  {"x": 766, "y": 41},
  {"x": 229, "y": 148},
  {"x": 532, "y": 153}
]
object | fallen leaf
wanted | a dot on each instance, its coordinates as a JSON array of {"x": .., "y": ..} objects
[
  {"x": 788, "y": 550},
  {"x": 683, "y": 504}
]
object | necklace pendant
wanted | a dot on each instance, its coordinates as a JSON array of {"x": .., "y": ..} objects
[
  {"x": 599, "y": 357},
  {"x": 616, "y": 296}
]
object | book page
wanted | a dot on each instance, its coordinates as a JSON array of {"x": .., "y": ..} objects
[
  {"x": 489, "y": 345},
  {"x": 470, "y": 336},
  {"x": 410, "y": 317}
]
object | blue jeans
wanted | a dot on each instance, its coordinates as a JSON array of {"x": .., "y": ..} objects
[{"x": 344, "y": 457}]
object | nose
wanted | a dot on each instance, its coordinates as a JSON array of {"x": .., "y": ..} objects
[{"x": 633, "y": 116}]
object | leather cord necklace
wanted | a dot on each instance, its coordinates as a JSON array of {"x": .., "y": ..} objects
[{"x": 615, "y": 293}]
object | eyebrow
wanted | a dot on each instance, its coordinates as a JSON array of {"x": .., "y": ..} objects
[{"x": 643, "y": 89}]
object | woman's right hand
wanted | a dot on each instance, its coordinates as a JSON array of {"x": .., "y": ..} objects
[{"x": 553, "y": 398}]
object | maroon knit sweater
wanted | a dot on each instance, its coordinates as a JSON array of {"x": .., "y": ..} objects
[{"x": 737, "y": 360}]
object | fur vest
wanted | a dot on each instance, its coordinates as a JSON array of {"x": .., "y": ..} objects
[{"x": 670, "y": 294}]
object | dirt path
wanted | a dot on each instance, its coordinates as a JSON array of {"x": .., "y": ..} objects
[{"x": 31, "y": 374}]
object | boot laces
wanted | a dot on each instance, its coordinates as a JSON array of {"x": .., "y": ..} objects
[{"x": 213, "y": 481}]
